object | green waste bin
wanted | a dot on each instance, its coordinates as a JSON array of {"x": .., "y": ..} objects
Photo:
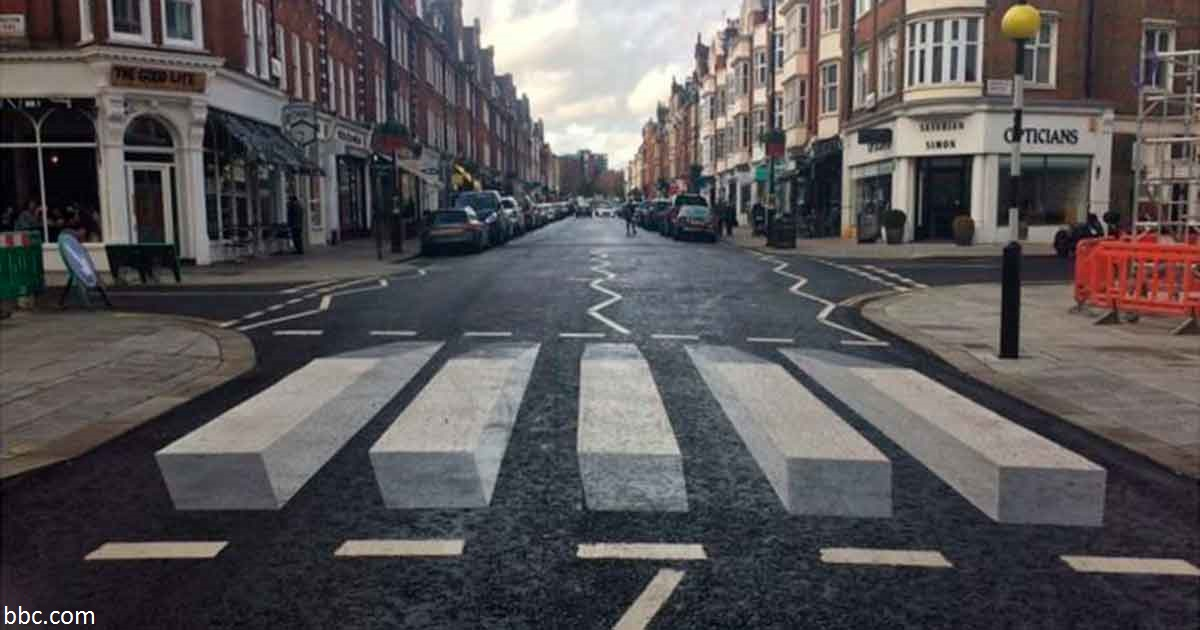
[{"x": 21, "y": 273}]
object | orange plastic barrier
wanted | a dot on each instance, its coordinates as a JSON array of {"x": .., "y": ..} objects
[{"x": 1141, "y": 277}]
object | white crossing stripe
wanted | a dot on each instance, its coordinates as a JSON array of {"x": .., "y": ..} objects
[
  {"x": 864, "y": 343},
  {"x": 647, "y": 605},
  {"x": 628, "y": 456},
  {"x": 157, "y": 551},
  {"x": 641, "y": 551},
  {"x": 1142, "y": 566},
  {"x": 399, "y": 549},
  {"x": 299, "y": 333},
  {"x": 885, "y": 557},
  {"x": 1010, "y": 473},
  {"x": 488, "y": 334},
  {"x": 816, "y": 463},
  {"x": 444, "y": 450},
  {"x": 665, "y": 337},
  {"x": 393, "y": 333},
  {"x": 771, "y": 340},
  {"x": 582, "y": 335},
  {"x": 259, "y": 454}
]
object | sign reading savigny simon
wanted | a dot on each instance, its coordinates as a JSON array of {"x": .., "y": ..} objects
[{"x": 1029, "y": 135}]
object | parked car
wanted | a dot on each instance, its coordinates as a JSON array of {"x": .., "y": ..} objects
[
  {"x": 486, "y": 205},
  {"x": 583, "y": 210},
  {"x": 695, "y": 221},
  {"x": 604, "y": 211},
  {"x": 657, "y": 215},
  {"x": 453, "y": 228},
  {"x": 677, "y": 202},
  {"x": 512, "y": 212}
]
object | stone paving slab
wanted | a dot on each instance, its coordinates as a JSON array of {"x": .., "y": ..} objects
[
  {"x": 1134, "y": 384},
  {"x": 71, "y": 381}
]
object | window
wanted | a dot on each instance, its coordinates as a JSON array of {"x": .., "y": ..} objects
[
  {"x": 779, "y": 49},
  {"x": 1054, "y": 190},
  {"x": 778, "y": 124},
  {"x": 861, "y": 8},
  {"x": 331, "y": 79},
  {"x": 801, "y": 101},
  {"x": 380, "y": 113},
  {"x": 744, "y": 126},
  {"x": 743, "y": 77},
  {"x": 248, "y": 36},
  {"x": 862, "y": 77},
  {"x": 760, "y": 62},
  {"x": 1158, "y": 39},
  {"x": 87, "y": 20},
  {"x": 887, "y": 64},
  {"x": 802, "y": 27},
  {"x": 182, "y": 23},
  {"x": 337, "y": 10},
  {"x": 377, "y": 19},
  {"x": 942, "y": 51},
  {"x": 829, "y": 88},
  {"x": 260, "y": 40},
  {"x": 760, "y": 124},
  {"x": 1041, "y": 55},
  {"x": 830, "y": 15},
  {"x": 352, "y": 93},
  {"x": 312, "y": 72},
  {"x": 129, "y": 20},
  {"x": 297, "y": 68},
  {"x": 282, "y": 56}
]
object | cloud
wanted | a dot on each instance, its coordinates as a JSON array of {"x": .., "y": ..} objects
[{"x": 594, "y": 69}]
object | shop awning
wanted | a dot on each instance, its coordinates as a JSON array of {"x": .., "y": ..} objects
[{"x": 266, "y": 143}]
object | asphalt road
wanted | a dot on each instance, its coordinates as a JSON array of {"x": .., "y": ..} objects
[{"x": 519, "y": 566}]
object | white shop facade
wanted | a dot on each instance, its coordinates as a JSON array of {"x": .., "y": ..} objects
[{"x": 937, "y": 162}]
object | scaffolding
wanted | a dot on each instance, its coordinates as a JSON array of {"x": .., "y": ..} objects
[{"x": 1167, "y": 153}]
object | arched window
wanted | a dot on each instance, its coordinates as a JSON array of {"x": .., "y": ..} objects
[
  {"x": 146, "y": 131},
  {"x": 48, "y": 170}
]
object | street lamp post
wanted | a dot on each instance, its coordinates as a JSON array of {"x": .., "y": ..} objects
[{"x": 1021, "y": 22}]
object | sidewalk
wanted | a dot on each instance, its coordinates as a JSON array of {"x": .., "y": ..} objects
[
  {"x": 349, "y": 259},
  {"x": 1135, "y": 384},
  {"x": 848, "y": 249},
  {"x": 71, "y": 381}
]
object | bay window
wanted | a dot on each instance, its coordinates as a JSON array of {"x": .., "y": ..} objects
[
  {"x": 1041, "y": 55},
  {"x": 944, "y": 51},
  {"x": 129, "y": 20},
  {"x": 182, "y": 23}
]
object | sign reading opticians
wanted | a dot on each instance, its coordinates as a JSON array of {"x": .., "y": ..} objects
[
  {"x": 12, "y": 25},
  {"x": 1043, "y": 136},
  {"x": 158, "y": 79}
]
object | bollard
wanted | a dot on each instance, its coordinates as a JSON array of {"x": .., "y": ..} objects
[{"x": 1010, "y": 303}]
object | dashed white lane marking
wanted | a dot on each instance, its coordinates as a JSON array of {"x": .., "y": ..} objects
[
  {"x": 299, "y": 333},
  {"x": 1139, "y": 566},
  {"x": 582, "y": 335},
  {"x": 326, "y": 302},
  {"x": 885, "y": 557},
  {"x": 400, "y": 549},
  {"x": 613, "y": 296},
  {"x": 294, "y": 301},
  {"x": 823, "y": 316},
  {"x": 393, "y": 333},
  {"x": 488, "y": 334},
  {"x": 647, "y": 605},
  {"x": 641, "y": 551},
  {"x": 771, "y": 340},
  {"x": 276, "y": 307},
  {"x": 862, "y": 274},
  {"x": 868, "y": 344},
  {"x": 895, "y": 276},
  {"x": 667, "y": 337},
  {"x": 255, "y": 315},
  {"x": 157, "y": 551},
  {"x": 303, "y": 287}
]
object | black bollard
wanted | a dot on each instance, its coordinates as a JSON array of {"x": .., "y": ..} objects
[{"x": 1010, "y": 303}]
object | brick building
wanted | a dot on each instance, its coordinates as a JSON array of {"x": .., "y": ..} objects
[{"x": 194, "y": 121}]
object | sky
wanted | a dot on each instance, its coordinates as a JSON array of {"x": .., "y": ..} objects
[{"x": 594, "y": 69}]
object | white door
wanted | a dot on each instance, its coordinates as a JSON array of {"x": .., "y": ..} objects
[{"x": 151, "y": 211}]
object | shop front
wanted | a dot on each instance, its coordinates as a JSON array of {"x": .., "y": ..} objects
[
  {"x": 347, "y": 150},
  {"x": 938, "y": 165}
]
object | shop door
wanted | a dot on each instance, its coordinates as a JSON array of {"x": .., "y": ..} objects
[
  {"x": 944, "y": 194},
  {"x": 151, "y": 211}
]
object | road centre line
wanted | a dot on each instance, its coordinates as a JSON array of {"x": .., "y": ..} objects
[
  {"x": 646, "y": 606},
  {"x": 179, "y": 550},
  {"x": 1131, "y": 566},
  {"x": 488, "y": 334},
  {"x": 294, "y": 301},
  {"x": 670, "y": 337},
  {"x": 393, "y": 333},
  {"x": 773, "y": 340},
  {"x": 382, "y": 548},
  {"x": 866, "y": 344},
  {"x": 275, "y": 307},
  {"x": 641, "y": 551},
  {"x": 299, "y": 333},
  {"x": 582, "y": 335},
  {"x": 885, "y": 557}
]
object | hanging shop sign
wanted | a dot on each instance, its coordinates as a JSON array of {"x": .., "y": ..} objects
[{"x": 158, "y": 79}]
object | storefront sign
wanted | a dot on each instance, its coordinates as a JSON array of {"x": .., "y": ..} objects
[
  {"x": 999, "y": 87},
  {"x": 12, "y": 26},
  {"x": 940, "y": 125},
  {"x": 158, "y": 79},
  {"x": 1043, "y": 136},
  {"x": 873, "y": 137},
  {"x": 353, "y": 139}
]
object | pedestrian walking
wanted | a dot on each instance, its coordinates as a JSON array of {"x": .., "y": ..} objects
[
  {"x": 295, "y": 220},
  {"x": 730, "y": 220},
  {"x": 630, "y": 226}
]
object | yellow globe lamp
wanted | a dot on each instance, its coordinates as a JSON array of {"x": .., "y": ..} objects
[{"x": 1022, "y": 21}]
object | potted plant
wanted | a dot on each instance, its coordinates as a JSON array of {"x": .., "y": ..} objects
[
  {"x": 893, "y": 223},
  {"x": 964, "y": 230}
]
